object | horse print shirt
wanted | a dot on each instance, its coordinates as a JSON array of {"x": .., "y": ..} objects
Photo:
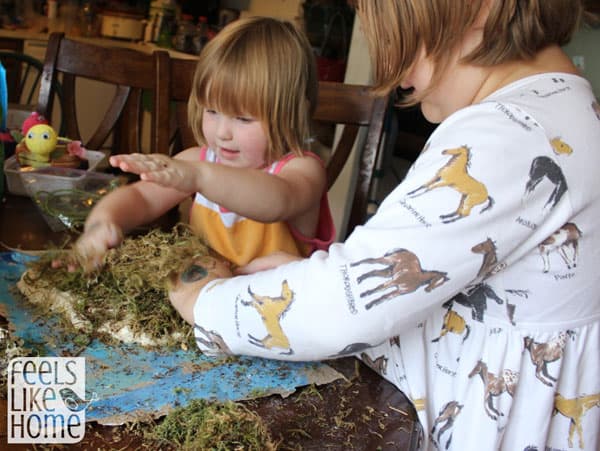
[{"x": 474, "y": 288}]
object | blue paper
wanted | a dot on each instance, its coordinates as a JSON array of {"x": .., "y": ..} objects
[{"x": 132, "y": 382}]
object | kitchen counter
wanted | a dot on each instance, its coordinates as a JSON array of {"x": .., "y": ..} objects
[{"x": 35, "y": 34}]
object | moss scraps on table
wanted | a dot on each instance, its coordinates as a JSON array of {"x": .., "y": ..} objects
[{"x": 218, "y": 426}]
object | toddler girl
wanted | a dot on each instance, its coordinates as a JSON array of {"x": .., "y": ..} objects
[{"x": 257, "y": 190}]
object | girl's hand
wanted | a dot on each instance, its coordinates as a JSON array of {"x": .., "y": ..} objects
[
  {"x": 89, "y": 250},
  {"x": 267, "y": 262},
  {"x": 158, "y": 168}
]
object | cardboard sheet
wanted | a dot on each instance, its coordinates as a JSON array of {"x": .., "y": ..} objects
[{"x": 133, "y": 383}]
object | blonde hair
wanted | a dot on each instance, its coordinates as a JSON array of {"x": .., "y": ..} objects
[
  {"x": 514, "y": 30},
  {"x": 261, "y": 67}
]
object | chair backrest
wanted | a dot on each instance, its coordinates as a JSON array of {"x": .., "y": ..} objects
[
  {"x": 131, "y": 72},
  {"x": 180, "y": 85},
  {"x": 350, "y": 106},
  {"x": 23, "y": 75},
  {"x": 354, "y": 108}
]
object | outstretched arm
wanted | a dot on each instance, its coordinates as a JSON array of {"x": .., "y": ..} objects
[
  {"x": 119, "y": 212},
  {"x": 252, "y": 193}
]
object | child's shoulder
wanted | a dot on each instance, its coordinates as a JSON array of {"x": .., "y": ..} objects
[
  {"x": 197, "y": 153},
  {"x": 307, "y": 159},
  {"x": 305, "y": 155}
]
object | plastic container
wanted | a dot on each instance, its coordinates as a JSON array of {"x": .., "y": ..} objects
[
  {"x": 49, "y": 178},
  {"x": 67, "y": 208}
]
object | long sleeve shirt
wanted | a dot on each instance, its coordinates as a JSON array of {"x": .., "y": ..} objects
[{"x": 474, "y": 288}]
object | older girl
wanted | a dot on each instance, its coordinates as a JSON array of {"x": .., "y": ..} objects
[{"x": 475, "y": 286}]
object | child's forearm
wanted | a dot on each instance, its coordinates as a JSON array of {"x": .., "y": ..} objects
[
  {"x": 124, "y": 208},
  {"x": 249, "y": 192},
  {"x": 256, "y": 194}
]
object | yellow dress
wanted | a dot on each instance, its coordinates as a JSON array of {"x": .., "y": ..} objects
[{"x": 241, "y": 240}]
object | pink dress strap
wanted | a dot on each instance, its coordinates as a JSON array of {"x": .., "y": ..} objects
[{"x": 325, "y": 234}]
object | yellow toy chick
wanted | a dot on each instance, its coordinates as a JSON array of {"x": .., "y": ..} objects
[
  {"x": 42, "y": 147},
  {"x": 40, "y": 141}
]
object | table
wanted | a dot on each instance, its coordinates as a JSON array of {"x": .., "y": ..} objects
[{"x": 363, "y": 412}]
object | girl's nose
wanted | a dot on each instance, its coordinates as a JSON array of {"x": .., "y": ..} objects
[{"x": 224, "y": 128}]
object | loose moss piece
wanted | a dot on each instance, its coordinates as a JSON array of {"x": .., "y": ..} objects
[
  {"x": 10, "y": 347},
  {"x": 133, "y": 282},
  {"x": 216, "y": 426}
]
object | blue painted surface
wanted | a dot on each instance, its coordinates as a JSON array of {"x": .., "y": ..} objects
[{"x": 129, "y": 378}]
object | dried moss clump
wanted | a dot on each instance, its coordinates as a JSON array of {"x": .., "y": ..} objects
[
  {"x": 216, "y": 426},
  {"x": 132, "y": 284}
]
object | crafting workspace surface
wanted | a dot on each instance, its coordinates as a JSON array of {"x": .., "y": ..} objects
[{"x": 359, "y": 411}]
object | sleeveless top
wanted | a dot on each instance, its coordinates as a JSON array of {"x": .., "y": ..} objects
[{"x": 241, "y": 240}]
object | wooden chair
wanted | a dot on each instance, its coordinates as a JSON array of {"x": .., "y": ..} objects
[
  {"x": 130, "y": 71},
  {"x": 351, "y": 106},
  {"x": 180, "y": 85},
  {"x": 354, "y": 108},
  {"x": 23, "y": 75}
]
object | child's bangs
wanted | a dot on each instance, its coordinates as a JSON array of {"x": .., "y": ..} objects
[{"x": 232, "y": 93}]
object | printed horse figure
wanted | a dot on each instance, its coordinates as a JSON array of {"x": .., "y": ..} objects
[
  {"x": 489, "y": 267},
  {"x": 448, "y": 414},
  {"x": 404, "y": 273},
  {"x": 560, "y": 147},
  {"x": 494, "y": 386},
  {"x": 454, "y": 174},
  {"x": 214, "y": 341},
  {"x": 395, "y": 340},
  {"x": 379, "y": 364},
  {"x": 544, "y": 167},
  {"x": 490, "y": 260},
  {"x": 476, "y": 299},
  {"x": 574, "y": 409},
  {"x": 352, "y": 348},
  {"x": 455, "y": 324},
  {"x": 544, "y": 353},
  {"x": 271, "y": 310},
  {"x": 567, "y": 237}
]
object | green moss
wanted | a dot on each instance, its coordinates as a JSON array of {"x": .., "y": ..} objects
[
  {"x": 215, "y": 426},
  {"x": 133, "y": 282},
  {"x": 10, "y": 347}
]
